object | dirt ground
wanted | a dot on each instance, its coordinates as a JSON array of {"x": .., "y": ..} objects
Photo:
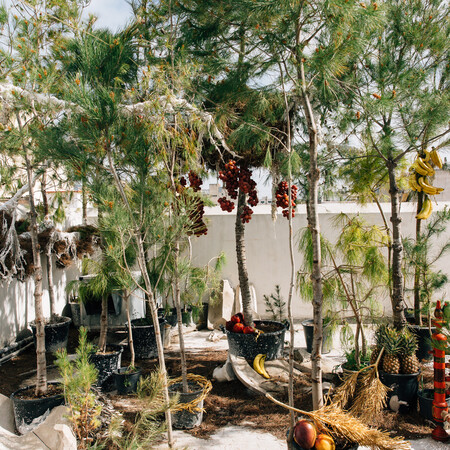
[{"x": 228, "y": 403}]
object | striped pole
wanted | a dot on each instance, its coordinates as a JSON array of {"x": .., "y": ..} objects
[{"x": 440, "y": 407}]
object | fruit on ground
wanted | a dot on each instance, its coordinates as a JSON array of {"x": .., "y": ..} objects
[
  {"x": 305, "y": 434},
  {"x": 238, "y": 328},
  {"x": 324, "y": 442}
]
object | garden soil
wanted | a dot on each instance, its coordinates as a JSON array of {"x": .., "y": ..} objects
[{"x": 229, "y": 403}]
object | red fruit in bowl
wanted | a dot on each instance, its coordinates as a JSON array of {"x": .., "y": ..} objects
[
  {"x": 235, "y": 319},
  {"x": 248, "y": 330},
  {"x": 238, "y": 328},
  {"x": 305, "y": 434},
  {"x": 229, "y": 325}
]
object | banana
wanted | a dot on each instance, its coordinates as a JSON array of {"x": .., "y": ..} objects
[
  {"x": 425, "y": 166},
  {"x": 425, "y": 212},
  {"x": 413, "y": 183},
  {"x": 258, "y": 365},
  {"x": 427, "y": 155},
  {"x": 419, "y": 169},
  {"x": 436, "y": 158},
  {"x": 427, "y": 188}
]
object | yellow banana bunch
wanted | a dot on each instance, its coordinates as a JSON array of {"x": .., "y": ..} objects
[
  {"x": 412, "y": 181},
  {"x": 258, "y": 365},
  {"x": 427, "y": 188},
  {"x": 427, "y": 207},
  {"x": 422, "y": 167},
  {"x": 436, "y": 158}
]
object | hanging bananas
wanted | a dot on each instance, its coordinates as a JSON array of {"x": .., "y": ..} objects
[
  {"x": 258, "y": 365},
  {"x": 426, "y": 210},
  {"x": 418, "y": 181}
]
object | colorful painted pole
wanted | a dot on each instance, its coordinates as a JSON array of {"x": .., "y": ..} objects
[{"x": 440, "y": 407}]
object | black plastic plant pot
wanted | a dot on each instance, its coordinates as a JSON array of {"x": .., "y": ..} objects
[
  {"x": 308, "y": 329},
  {"x": 144, "y": 337},
  {"x": 409, "y": 315},
  {"x": 56, "y": 334},
  {"x": 106, "y": 363},
  {"x": 270, "y": 343},
  {"x": 404, "y": 387},
  {"x": 28, "y": 409},
  {"x": 126, "y": 382},
  {"x": 202, "y": 321},
  {"x": 426, "y": 398},
  {"x": 184, "y": 419},
  {"x": 424, "y": 341},
  {"x": 186, "y": 317},
  {"x": 75, "y": 310}
]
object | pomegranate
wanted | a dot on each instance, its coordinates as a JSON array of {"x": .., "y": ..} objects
[
  {"x": 238, "y": 328},
  {"x": 248, "y": 330},
  {"x": 324, "y": 442},
  {"x": 305, "y": 434}
]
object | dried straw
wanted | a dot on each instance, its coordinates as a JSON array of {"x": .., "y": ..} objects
[
  {"x": 342, "y": 424},
  {"x": 192, "y": 406},
  {"x": 345, "y": 392}
]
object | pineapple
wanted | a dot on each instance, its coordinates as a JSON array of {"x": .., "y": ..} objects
[
  {"x": 391, "y": 343},
  {"x": 408, "y": 359},
  {"x": 379, "y": 336}
]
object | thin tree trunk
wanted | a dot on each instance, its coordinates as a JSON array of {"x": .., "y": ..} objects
[
  {"x": 180, "y": 319},
  {"x": 417, "y": 266},
  {"x": 242, "y": 260},
  {"x": 103, "y": 324},
  {"x": 41, "y": 375},
  {"x": 398, "y": 307},
  {"x": 314, "y": 227},
  {"x": 83, "y": 203},
  {"x": 150, "y": 298},
  {"x": 126, "y": 297}
]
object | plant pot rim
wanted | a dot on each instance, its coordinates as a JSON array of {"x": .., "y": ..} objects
[
  {"x": 121, "y": 371},
  {"x": 32, "y": 386},
  {"x": 401, "y": 374},
  {"x": 266, "y": 333},
  {"x": 310, "y": 322},
  {"x": 64, "y": 320},
  {"x": 114, "y": 349},
  {"x": 420, "y": 327},
  {"x": 197, "y": 392},
  {"x": 161, "y": 320}
]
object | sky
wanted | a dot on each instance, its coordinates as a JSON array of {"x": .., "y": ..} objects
[{"x": 113, "y": 14}]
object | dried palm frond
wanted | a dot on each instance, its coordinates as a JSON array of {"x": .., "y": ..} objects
[
  {"x": 370, "y": 399},
  {"x": 345, "y": 392},
  {"x": 342, "y": 424}
]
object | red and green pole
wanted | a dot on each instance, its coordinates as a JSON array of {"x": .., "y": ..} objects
[{"x": 440, "y": 407}]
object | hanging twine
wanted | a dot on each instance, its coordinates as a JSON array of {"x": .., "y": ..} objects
[{"x": 192, "y": 406}]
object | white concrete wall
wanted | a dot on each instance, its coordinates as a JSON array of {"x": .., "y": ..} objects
[
  {"x": 267, "y": 246},
  {"x": 17, "y": 300}
]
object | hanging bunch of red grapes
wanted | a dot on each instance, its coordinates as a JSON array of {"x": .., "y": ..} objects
[
  {"x": 235, "y": 178},
  {"x": 197, "y": 211},
  {"x": 282, "y": 197}
]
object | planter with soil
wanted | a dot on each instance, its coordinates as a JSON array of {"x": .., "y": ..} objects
[
  {"x": 75, "y": 309},
  {"x": 270, "y": 342},
  {"x": 56, "y": 333},
  {"x": 188, "y": 413},
  {"x": 126, "y": 380},
  {"x": 144, "y": 337},
  {"x": 426, "y": 397},
  {"x": 327, "y": 343},
  {"x": 27, "y": 407},
  {"x": 404, "y": 387},
  {"x": 106, "y": 363},
  {"x": 424, "y": 341}
]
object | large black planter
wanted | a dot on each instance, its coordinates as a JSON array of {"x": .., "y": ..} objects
[
  {"x": 327, "y": 342},
  {"x": 26, "y": 410},
  {"x": 424, "y": 341},
  {"x": 126, "y": 382},
  {"x": 144, "y": 337},
  {"x": 184, "y": 419},
  {"x": 56, "y": 334},
  {"x": 106, "y": 363},
  {"x": 404, "y": 386},
  {"x": 426, "y": 398},
  {"x": 270, "y": 343}
]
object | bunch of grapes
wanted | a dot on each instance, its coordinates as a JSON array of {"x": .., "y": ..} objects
[
  {"x": 246, "y": 214},
  {"x": 226, "y": 205},
  {"x": 247, "y": 185},
  {"x": 183, "y": 181},
  {"x": 230, "y": 178},
  {"x": 195, "y": 181},
  {"x": 282, "y": 197}
]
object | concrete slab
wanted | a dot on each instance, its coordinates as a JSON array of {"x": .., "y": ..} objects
[{"x": 7, "y": 414}]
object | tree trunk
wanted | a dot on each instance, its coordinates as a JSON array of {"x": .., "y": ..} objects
[
  {"x": 417, "y": 266},
  {"x": 103, "y": 324},
  {"x": 83, "y": 203},
  {"x": 242, "y": 261},
  {"x": 51, "y": 287},
  {"x": 126, "y": 298},
  {"x": 177, "y": 301},
  {"x": 314, "y": 227},
  {"x": 41, "y": 375},
  {"x": 398, "y": 307}
]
